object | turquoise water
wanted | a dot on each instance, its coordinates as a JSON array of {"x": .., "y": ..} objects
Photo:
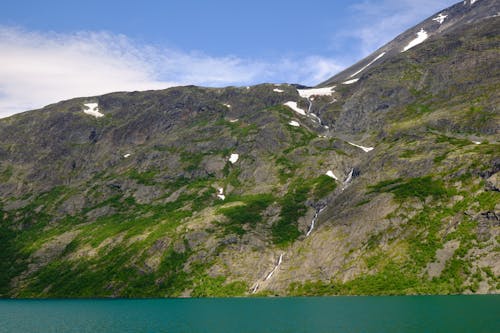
[{"x": 324, "y": 314}]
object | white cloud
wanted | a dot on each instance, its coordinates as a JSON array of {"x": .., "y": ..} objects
[
  {"x": 375, "y": 23},
  {"x": 42, "y": 68}
]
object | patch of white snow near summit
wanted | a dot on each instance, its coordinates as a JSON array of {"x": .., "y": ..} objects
[
  {"x": 369, "y": 64},
  {"x": 294, "y": 107},
  {"x": 365, "y": 149},
  {"x": 331, "y": 175},
  {"x": 422, "y": 35},
  {"x": 294, "y": 123},
  {"x": 92, "y": 109},
  {"x": 350, "y": 81},
  {"x": 440, "y": 18},
  {"x": 220, "y": 194},
  {"x": 308, "y": 93},
  {"x": 278, "y": 90},
  {"x": 234, "y": 158}
]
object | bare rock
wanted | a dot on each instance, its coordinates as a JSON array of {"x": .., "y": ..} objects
[
  {"x": 493, "y": 183},
  {"x": 486, "y": 221},
  {"x": 442, "y": 256}
]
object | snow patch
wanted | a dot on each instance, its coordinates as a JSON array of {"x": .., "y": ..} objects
[
  {"x": 422, "y": 35},
  {"x": 278, "y": 90},
  {"x": 476, "y": 142},
  {"x": 233, "y": 120},
  {"x": 472, "y": 2},
  {"x": 234, "y": 158},
  {"x": 350, "y": 81},
  {"x": 369, "y": 64},
  {"x": 92, "y": 109},
  {"x": 440, "y": 18},
  {"x": 330, "y": 174},
  {"x": 365, "y": 149},
  {"x": 308, "y": 93},
  {"x": 227, "y": 105},
  {"x": 294, "y": 123},
  {"x": 220, "y": 194},
  {"x": 127, "y": 155},
  {"x": 294, "y": 107}
]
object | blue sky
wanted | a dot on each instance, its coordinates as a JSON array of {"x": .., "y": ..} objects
[{"x": 61, "y": 49}]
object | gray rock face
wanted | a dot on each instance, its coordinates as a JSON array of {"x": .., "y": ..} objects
[
  {"x": 366, "y": 104},
  {"x": 493, "y": 183},
  {"x": 147, "y": 201},
  {"x": 486, "y": 221}
]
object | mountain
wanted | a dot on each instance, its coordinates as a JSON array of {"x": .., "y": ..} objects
[{"x": 381, "y": 180}]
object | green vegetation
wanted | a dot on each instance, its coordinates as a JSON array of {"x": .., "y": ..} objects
[
  {"x": 239, "y": 129},
  {"x": 110, "y": 270},
  {"x": 323, "y": 185},
  {"x": 418, "y": 109},
  {"x": 104, "y": 275},
  {"x": 6, "y": 174},
  {"x": 438, "y": 159},
  {"x": 232, "y": 176},
  {"x": 453, "y": 141},
  {"x": 408, "y": 153},
  {"x": 362, "y": 202},
  {"x": 286, "y": 168},
  {"x": 424, "y": 237},
  {"x": 389, "y": 281},
  {"x": 293, "y": 207},
  {"x": 216, "y": 287},
  {"x": 102, "y": 234},
  {"x": 145, "y": 178},
  {"x": 300, "y": 137},
  {"x": 412, "y": 73},
  {"x": 11, "y": 257},
  {"x": 248, "y": 214},
  {"x": 488, "y": 200},
  {"x": 421, "y": 188},
  {"x": 478, "y": 117},
  {"x": 191, "y": 160}
]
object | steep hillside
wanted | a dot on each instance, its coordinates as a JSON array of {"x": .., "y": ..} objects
[{"x": 382, "y": 180}]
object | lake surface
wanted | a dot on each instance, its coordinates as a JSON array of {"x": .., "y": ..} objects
[{"x": 323, "y": 314}]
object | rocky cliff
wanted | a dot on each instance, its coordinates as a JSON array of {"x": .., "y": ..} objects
[{"x": 382, "y": 180}]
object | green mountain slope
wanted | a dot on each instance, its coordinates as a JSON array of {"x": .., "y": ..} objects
[{"x": 196, "y": 191}]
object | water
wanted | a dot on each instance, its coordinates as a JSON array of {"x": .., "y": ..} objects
[{"x": 337, "y": 314}]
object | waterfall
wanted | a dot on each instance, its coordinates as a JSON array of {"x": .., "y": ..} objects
[
  {"x": 348, "y": 179},
  {"x": 314, "y": 220},
  {"x": 256, "y": 285},
  {"x": 280, "y": 260}
]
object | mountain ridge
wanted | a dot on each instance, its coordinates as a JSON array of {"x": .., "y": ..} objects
[
  {"x": 386, "y": 185},
  {"x": 454, "y": 16}
]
